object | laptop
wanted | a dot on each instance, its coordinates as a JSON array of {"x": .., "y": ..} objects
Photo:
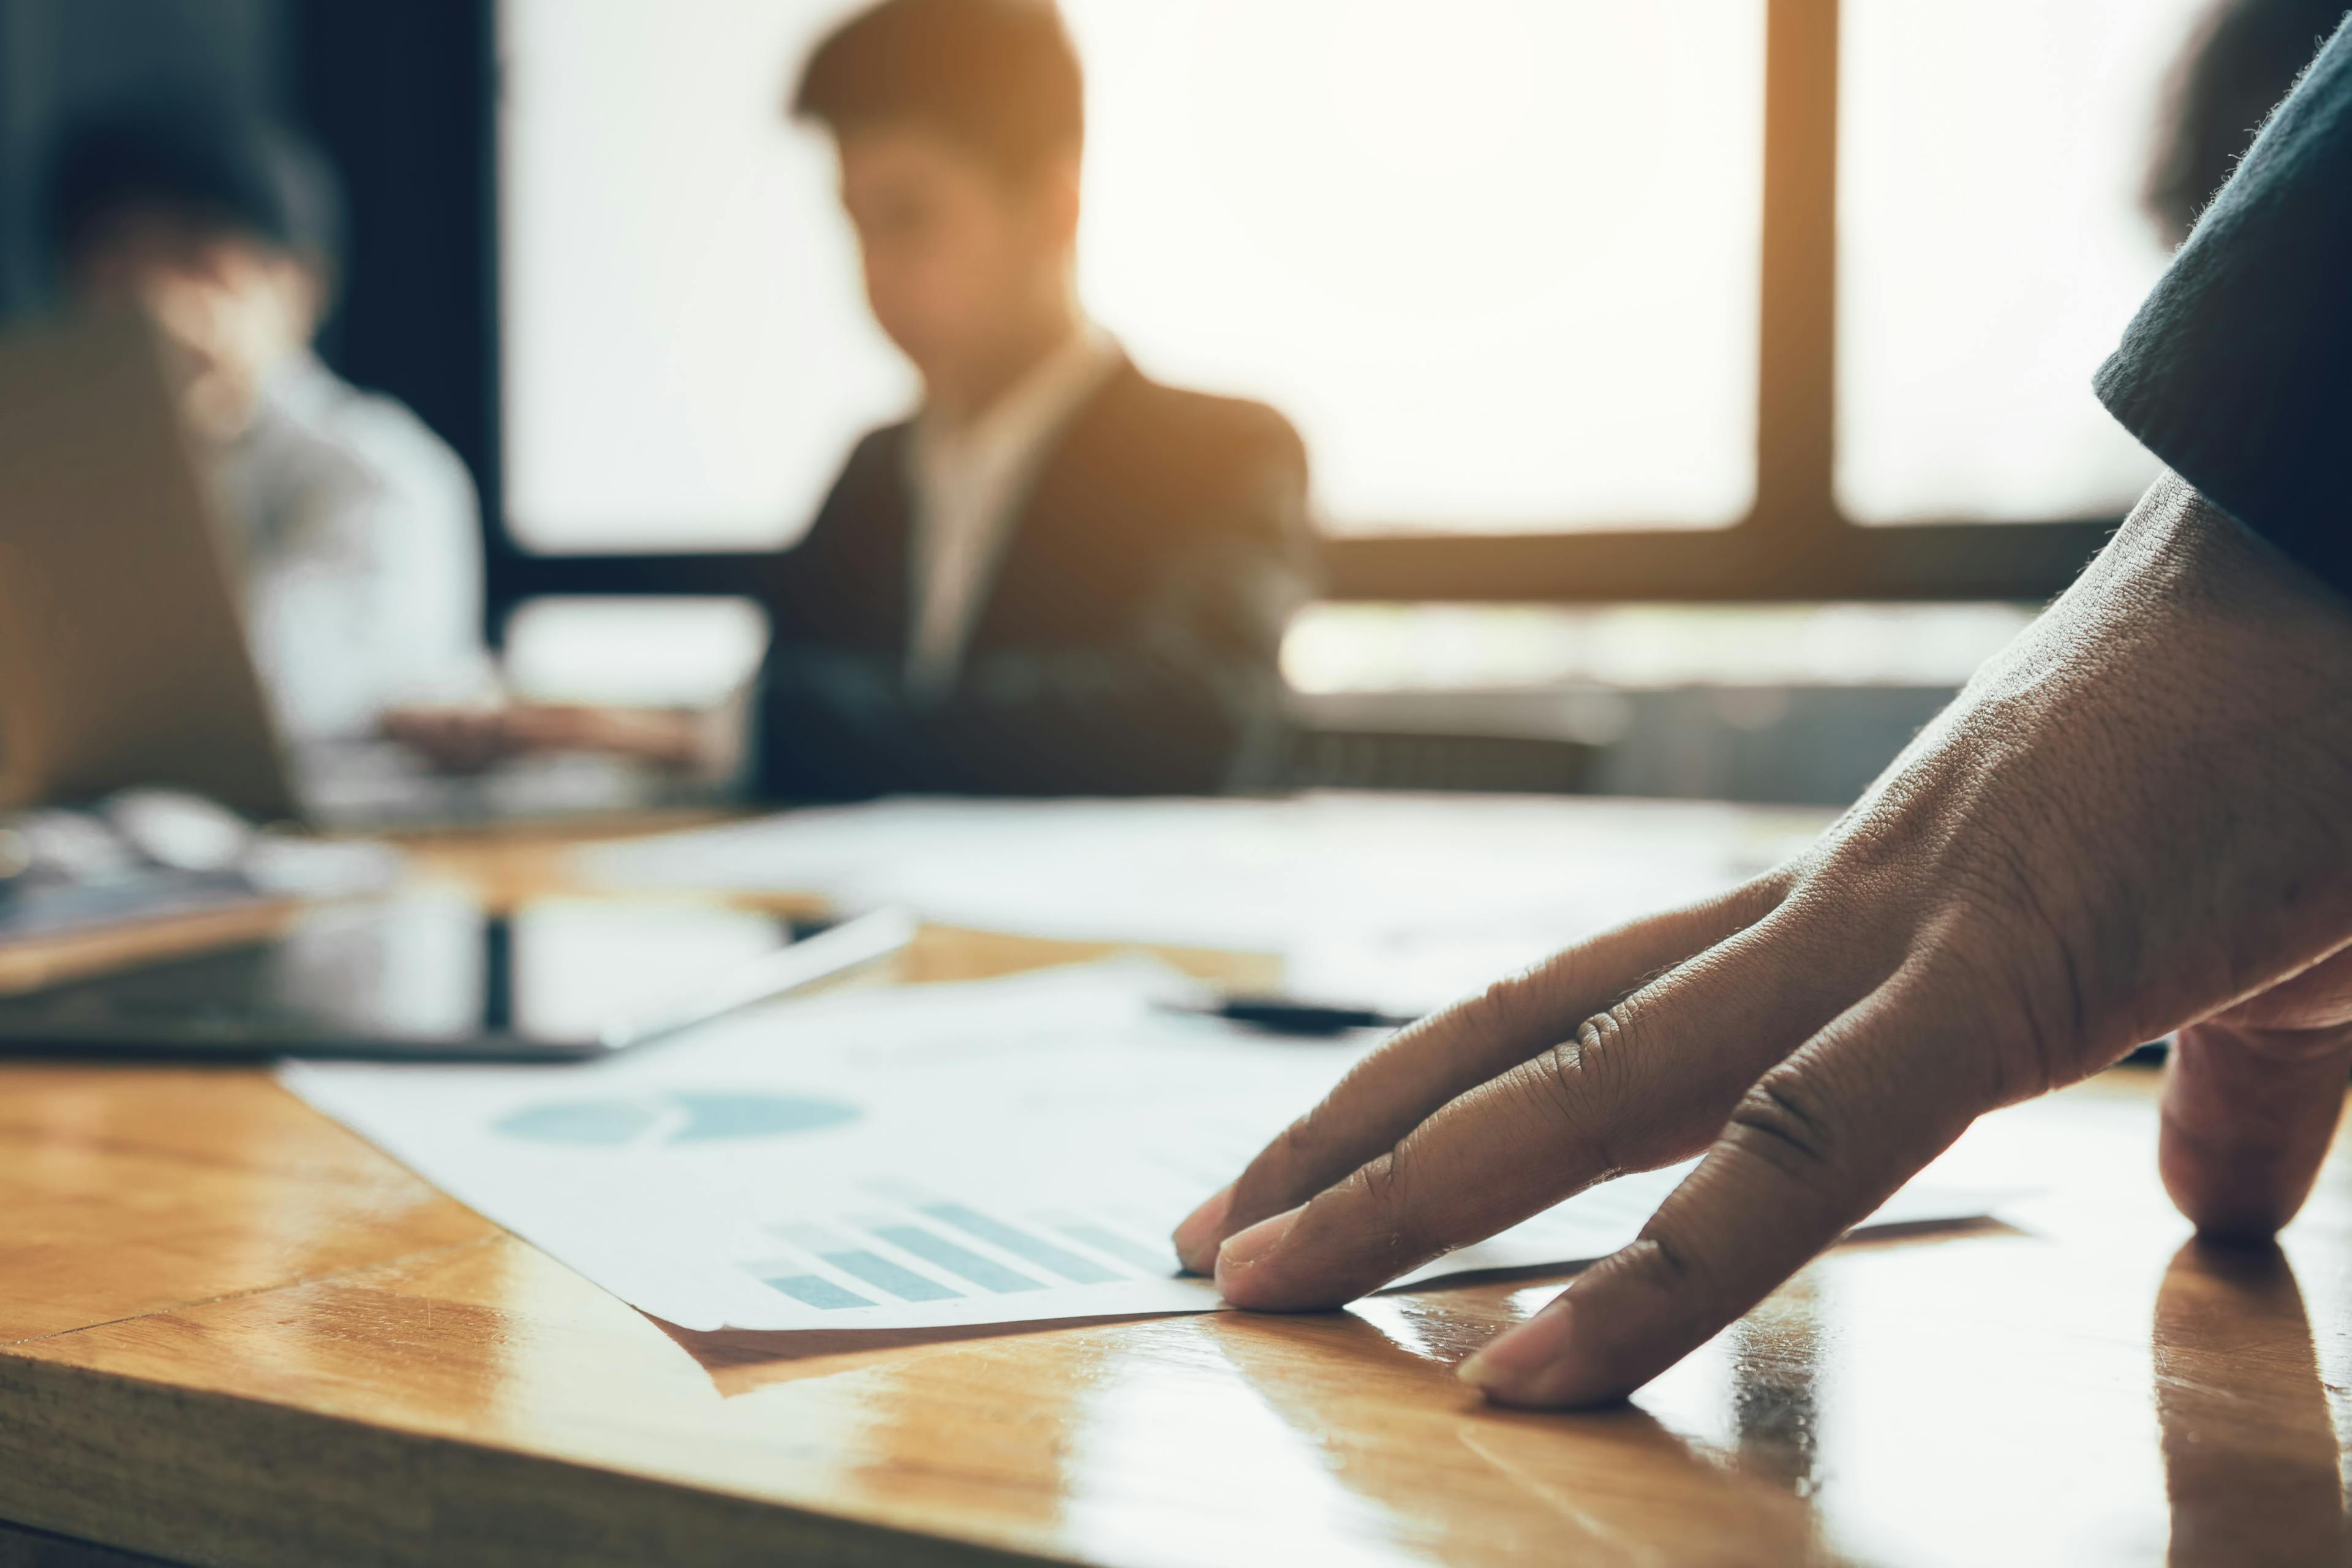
[{"x": 123, "y": 658}]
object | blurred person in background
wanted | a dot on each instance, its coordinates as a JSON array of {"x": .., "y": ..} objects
[
  {"x": 2244, "y": 57},
  {"x": 354, "y": 526},
  {"x": 1058, "y": 577}
]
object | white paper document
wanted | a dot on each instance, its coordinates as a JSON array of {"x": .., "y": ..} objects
[
  {"x": 1397, "y": 899},
  {"x": 1004, "y": 1152}
]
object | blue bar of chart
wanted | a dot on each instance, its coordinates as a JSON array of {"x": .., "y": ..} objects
[
  {"x": 863, "y": 1264},
  {"x": 1104, "y": 1239},
  {"x": 881, "y": 1273},
  {"x": 816, "y": 1290},
  {"x": 1060, "y": 1260},
  {"x": 961, "y": 1262},
  {"x": 925, "y": 1249}
]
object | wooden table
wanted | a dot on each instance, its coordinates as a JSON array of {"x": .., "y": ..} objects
[{"x": 233, "y": 1333}]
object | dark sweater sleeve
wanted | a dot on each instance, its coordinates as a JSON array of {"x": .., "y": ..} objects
[{"x": 2237, "y": 372}]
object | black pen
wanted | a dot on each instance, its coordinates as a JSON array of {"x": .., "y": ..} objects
[{"x": 1290, "y": 1016}]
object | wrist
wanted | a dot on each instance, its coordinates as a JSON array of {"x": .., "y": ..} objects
[{"x": 2179, "y": 540}]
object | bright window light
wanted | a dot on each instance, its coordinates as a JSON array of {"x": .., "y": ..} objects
[
  {"x": 1334, "y": 650},
  {"x": 637, "y": 652},
  {"x": 1991, "y": 245},
  {"x": 686, "y": 363},
  {"x": 1497, "y": 259}
]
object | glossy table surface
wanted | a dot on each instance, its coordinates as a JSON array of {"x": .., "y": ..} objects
[{"x": 232, "y": 1332}]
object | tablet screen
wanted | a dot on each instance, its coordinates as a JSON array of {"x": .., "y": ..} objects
[{"x": 415, "y": 972}]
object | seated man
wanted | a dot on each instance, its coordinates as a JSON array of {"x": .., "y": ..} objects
[
  {"x": 1059, "y": 576},
  {"x": 355, "y": 524}
]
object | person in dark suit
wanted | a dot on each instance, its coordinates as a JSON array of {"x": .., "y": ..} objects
[
  {"x": 1058, "y": 577},
  {"x": 1125, "y": 641}
]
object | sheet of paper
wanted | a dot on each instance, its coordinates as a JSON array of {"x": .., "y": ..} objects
[
  {"x": 1401, "y": 901},
  {"x": 1011, "y": 1150}
]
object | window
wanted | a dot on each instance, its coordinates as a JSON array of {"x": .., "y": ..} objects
[
  {"x": 1991, "y": 245},
  {"x": 1335, "y": 649},
  {"x": 645, "y": 651},
  {"x": 1573, "y": 299},
  {"x": 1497, "y": 258},
  {"x": 686, "y": 361}
]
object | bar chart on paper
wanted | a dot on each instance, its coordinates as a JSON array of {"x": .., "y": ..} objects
[
  {"x": 908, "y": 1249},
  {"x": 943, "y": 1250},
  {"x": 1006, "y": 1152},
  {"x": 1004, "y": 1243}
]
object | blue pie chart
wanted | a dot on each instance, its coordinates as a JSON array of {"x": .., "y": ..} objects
[{"x": 679, "y": 1117}]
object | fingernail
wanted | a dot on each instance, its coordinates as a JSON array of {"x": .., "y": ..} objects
[
  {"x": 1247, "y": 1249},
  {"x": 1196, "y": 1239},
  {"x": 1511, "y": 1364}
]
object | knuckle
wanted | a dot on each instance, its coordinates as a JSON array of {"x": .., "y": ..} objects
[
  {"x": 1501, "y": 1009},
  {"x": 1786, "y": 1121},
  {"x": 2030, "y": 1005},
  {"x": 1602, "y": 1050},
  {"x": 1381, "y": 1178},
  {"x": 1384, "y": 1184},
  {"x": 1266, "y": 1183},
  {"x": 1673, "y": 1264},
  {"x": 1523, "y": 1008},
  {"x": 1309, "y": 1134},
  {"x": 1294, "y": 1147},
  {"x": 1664, "y": 1266},
  {"x": 1582, "y": 1083}
]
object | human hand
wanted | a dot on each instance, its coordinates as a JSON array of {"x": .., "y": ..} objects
[
  {"x": 469, "y": 738},
  {"x": 225, "y": 327},
  {"x": 455, "y": 738},
  {"x": 2137, "y": 818},
  {"x": 193, "y": 319},
  {"x": 664, "y": 737}
]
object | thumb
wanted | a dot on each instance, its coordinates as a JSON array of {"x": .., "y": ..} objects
[{"x": 2250, "y": 1102}]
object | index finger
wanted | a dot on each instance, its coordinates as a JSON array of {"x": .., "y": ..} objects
[{"x": 1453, "y": 1051}]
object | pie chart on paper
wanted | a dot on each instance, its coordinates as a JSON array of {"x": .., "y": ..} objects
[{"x": 680, "y": 1117}]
